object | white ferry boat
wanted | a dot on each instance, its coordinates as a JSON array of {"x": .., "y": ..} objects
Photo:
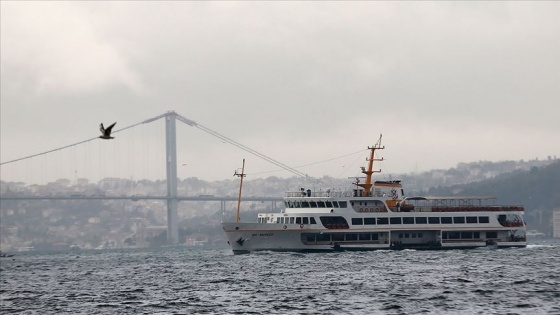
[{"x": 378, "y": 215}]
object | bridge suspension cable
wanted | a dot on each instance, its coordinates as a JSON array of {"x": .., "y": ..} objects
[
  {"x": 188, "y": 122},
  {"x": 67, "y": 146},
  {"x": 239, "y": 145}
]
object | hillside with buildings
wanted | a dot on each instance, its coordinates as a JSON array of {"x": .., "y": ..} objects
[{"x": 98, "y": 223}]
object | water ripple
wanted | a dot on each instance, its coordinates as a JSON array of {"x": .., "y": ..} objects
[{"x": 179, "y": 281}]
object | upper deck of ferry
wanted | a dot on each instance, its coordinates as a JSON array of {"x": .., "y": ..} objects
[
  {"x": 458, "y": 204},
  {"x": 384, "y": 196},
  {"x": 332, "y": 198}
]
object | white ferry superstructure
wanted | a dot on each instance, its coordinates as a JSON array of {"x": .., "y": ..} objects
[{"x": 378, "y": 215}]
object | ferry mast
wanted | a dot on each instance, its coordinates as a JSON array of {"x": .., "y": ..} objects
[
  {"x": 241, "y": 175},
  {"x": 369, "y": 172}
]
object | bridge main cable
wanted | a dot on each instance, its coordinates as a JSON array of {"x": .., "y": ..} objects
[
  {"x": 239, "y": 145},
  {"x": 75, "y": 144},
  {"x": 186, "y": 121}
]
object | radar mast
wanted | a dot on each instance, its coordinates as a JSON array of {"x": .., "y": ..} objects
[{"x": 367, "y": 185}]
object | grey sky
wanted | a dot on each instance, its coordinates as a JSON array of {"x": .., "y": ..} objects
[{"x": 302, "y": 82}]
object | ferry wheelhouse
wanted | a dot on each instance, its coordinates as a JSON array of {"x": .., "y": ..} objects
[{"x": 378, "y": 215}]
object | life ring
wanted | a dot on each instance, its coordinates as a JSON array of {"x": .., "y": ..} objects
[
  {"x": 285, "y": 227},
  {"x": 301, "y": 226}
]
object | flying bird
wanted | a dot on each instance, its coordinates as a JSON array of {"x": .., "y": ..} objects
[{"x": 106, "y": 132}]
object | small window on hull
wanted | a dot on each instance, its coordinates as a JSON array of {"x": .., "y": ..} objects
[
  {"x": 446, "y": 220},
  {"x": 458, "y": 219},
  {"x": 369, "y": 221},
  {"x": 421, "y": 220},
  {"x": 382, "y": 221},
  {"x": 407, "y": 220},
  {"x": 357, "y": 221},
  {"x": 472, "y": 220},
  {"x": 433, "y": 220}
]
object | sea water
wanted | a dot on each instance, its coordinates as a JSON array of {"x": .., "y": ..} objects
[{"x": 214, "y": 281}]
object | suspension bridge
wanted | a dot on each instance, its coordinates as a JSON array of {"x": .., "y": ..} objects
[{"x": 171, "y": 198}]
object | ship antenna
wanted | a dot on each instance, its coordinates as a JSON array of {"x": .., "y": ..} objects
[
  {"x": 357, "y": 182},
  {"x": 367, "y": 185},
  {"x": 241, "y": 175}
]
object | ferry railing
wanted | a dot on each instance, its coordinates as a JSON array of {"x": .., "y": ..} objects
[
  {"x": 422, "y": 209},
  {"x": 476, "y": 208},
  {"x": 466, "y": 208},
  {"x": 320, "y": 194}
]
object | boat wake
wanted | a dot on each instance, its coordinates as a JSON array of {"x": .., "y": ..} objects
[{"x": 541, "y": 246}]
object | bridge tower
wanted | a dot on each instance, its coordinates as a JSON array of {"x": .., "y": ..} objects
[{"x": 171, "y": 167}]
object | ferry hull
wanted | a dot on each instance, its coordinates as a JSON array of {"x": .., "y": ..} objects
[{"x": 252, "y": 237}]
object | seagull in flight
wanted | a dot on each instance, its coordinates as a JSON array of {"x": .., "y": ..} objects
[{"x": 106, "y": 132}]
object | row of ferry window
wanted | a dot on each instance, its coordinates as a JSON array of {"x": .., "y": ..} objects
[
  {"x": 296, "y": 220},
  {"x": 394, "y": 220},
  {"x": 420, "y": 220},
  {"x": 312, "y": 238},
  {"x": 452, "y": 235},
  {"x": 315, "y": 204}
]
